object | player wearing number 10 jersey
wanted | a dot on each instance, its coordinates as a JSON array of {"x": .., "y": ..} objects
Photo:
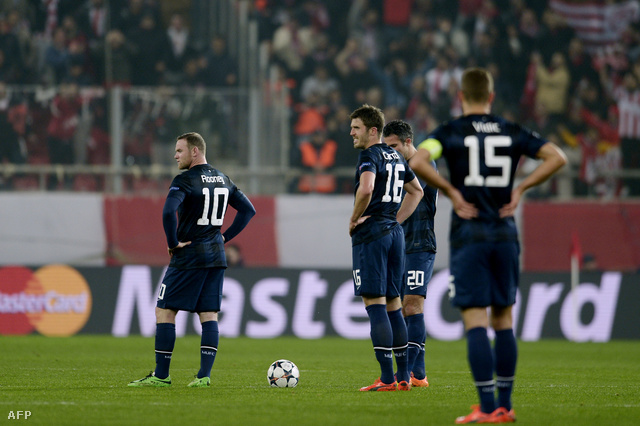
[
  {"x": 193, "y": 281},
  {"x": 378, "y": 242},
  {"x": 482, "y": 152}
]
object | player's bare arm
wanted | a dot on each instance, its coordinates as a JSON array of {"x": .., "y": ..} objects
[
  {"x": 552, "y": 160},
  {"x": 362, "y": 200},
  {"x": 410, "y": 201},
  {"x": 420, "y": 163}
]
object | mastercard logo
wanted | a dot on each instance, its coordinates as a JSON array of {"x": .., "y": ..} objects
[{"x": 54, "y": 300}]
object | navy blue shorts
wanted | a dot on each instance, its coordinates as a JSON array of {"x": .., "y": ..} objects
[
  {"x": 193, "y": 290},
  {"x": 484, "y": 274},
  {"x": 418, "y": 269},
  {"x": 378, "y": 266}
]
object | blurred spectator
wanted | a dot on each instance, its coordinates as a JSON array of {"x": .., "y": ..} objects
[
  {"x": 138, "y": 129},
  {"x": 397, "y": 82},
  {"x": 56, "y": 58},
  {"x": 7, "y": 71},
  {"x": 323, "y": 52},
  {"x": 77, "y": 73},
  {"x": 12, "y": 128},
  {"x": 568, "y": 131},
  {"x": 98, "y": 145},
  {"x": 365, "y": 26},
  {"x": 483, "y": 51},
  {"x": 438, "y": 81},
  {"x": 591, "y": 96},
  {"x": 481, "y": 22},
  {"x": 122, "y": 52},
  {"x": 627, "y": 97},
  {"x": 317, "y": 14},
  {"x": 310, "y": 118},
  {"x": 599, "y": 159},
  {"x": 19, "y": 26},
  {"x": 447, "y": 34},
  {"x": 181, "y": 49},
  {"x": 355, "y": 77},
  {"x": 80, "y": 66},
  {"x": 318, "y": 157},
  {"x": 11, "y": 61},
  {"x": 319, "y": 83},
  {"x": 192, "y": 75},
  {"x": 92, "y": 19},
  {"x": 65, "y": 115},
  {"x": 513, "y": 56},
  {"x": 503, "y": 89},
  {"x": 292, "y": 42},
  {"x": 128, "y": 18},
  {"x": 580, "y": 65},
  {"x": 554, "y": 32},
  {"x": 396, "y": 15},
  {"x": 422, "y": 121},
  {"x": 150, "y": 46},
  {"x": 552, "y": 85},
  {"x": 219, "y": 68}
]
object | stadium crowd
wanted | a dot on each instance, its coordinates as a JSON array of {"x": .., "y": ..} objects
[{"x": 579, "y": 88}]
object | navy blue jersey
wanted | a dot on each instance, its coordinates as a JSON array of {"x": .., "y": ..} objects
[
  {"x": 204, "y": 193},
  {"x": 391, "y": 172},
  {"x": 482, "y": 153},
  {"x": 419, "y": 228}
]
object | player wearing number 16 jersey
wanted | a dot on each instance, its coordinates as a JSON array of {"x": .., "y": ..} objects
[
  {"x": 193, "y": 281},
  {"x": 378, "y": 242},
  {"x": 482, "y": 152}
]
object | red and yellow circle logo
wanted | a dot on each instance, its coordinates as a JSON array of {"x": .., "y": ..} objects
[{"x": 55, "y": 300}]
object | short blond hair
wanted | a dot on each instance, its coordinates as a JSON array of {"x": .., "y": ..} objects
[
  {"x": 476, "y": 85},
  {"x": 194, "y": 139}
]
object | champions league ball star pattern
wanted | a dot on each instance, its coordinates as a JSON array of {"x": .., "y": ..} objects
[{"x": 283, "y": 374}]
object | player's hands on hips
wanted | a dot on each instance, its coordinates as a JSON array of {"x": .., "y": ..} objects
[
  {"x": 510, "y": 208},
  {"x": 463, "y": 209},
  {"x": 352, "y": 225},
  {"x": 179, "y": 246}
]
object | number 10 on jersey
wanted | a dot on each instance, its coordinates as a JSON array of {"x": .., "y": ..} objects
[{"x": 220, "y": 198}]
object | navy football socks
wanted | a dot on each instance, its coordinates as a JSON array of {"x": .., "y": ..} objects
[
  {"x": 208, "y": 347},
  {"x": 382, "y": 339},
  {"x": 165, "y": 341},
  {"x": 399, "y": 330},
  {"x": 480, "y": 356},
  {"x": 416, "y": 333},
  {"x": 506, "y": 353}
]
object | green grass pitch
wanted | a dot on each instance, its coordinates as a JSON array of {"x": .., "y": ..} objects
[{"x": 82, "y": 380}]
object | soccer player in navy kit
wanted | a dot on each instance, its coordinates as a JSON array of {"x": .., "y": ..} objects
[
  {"x": 420, "y": 250},
  {"x": 482, "y": 152},
  {"x": 194, "y": 278},
  {"x": 378, "y": 242}
]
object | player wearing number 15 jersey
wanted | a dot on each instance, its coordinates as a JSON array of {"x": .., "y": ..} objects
[
  {"x": 482, "y": 152},
  {"x": 193, "y": 281},
  {"x": 378, "y": 242}
]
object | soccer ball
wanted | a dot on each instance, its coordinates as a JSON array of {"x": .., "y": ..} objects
[{"x": 283, "y": 374}]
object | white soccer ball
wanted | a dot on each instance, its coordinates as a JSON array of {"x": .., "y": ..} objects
[{"x": 283, "y": 374}]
